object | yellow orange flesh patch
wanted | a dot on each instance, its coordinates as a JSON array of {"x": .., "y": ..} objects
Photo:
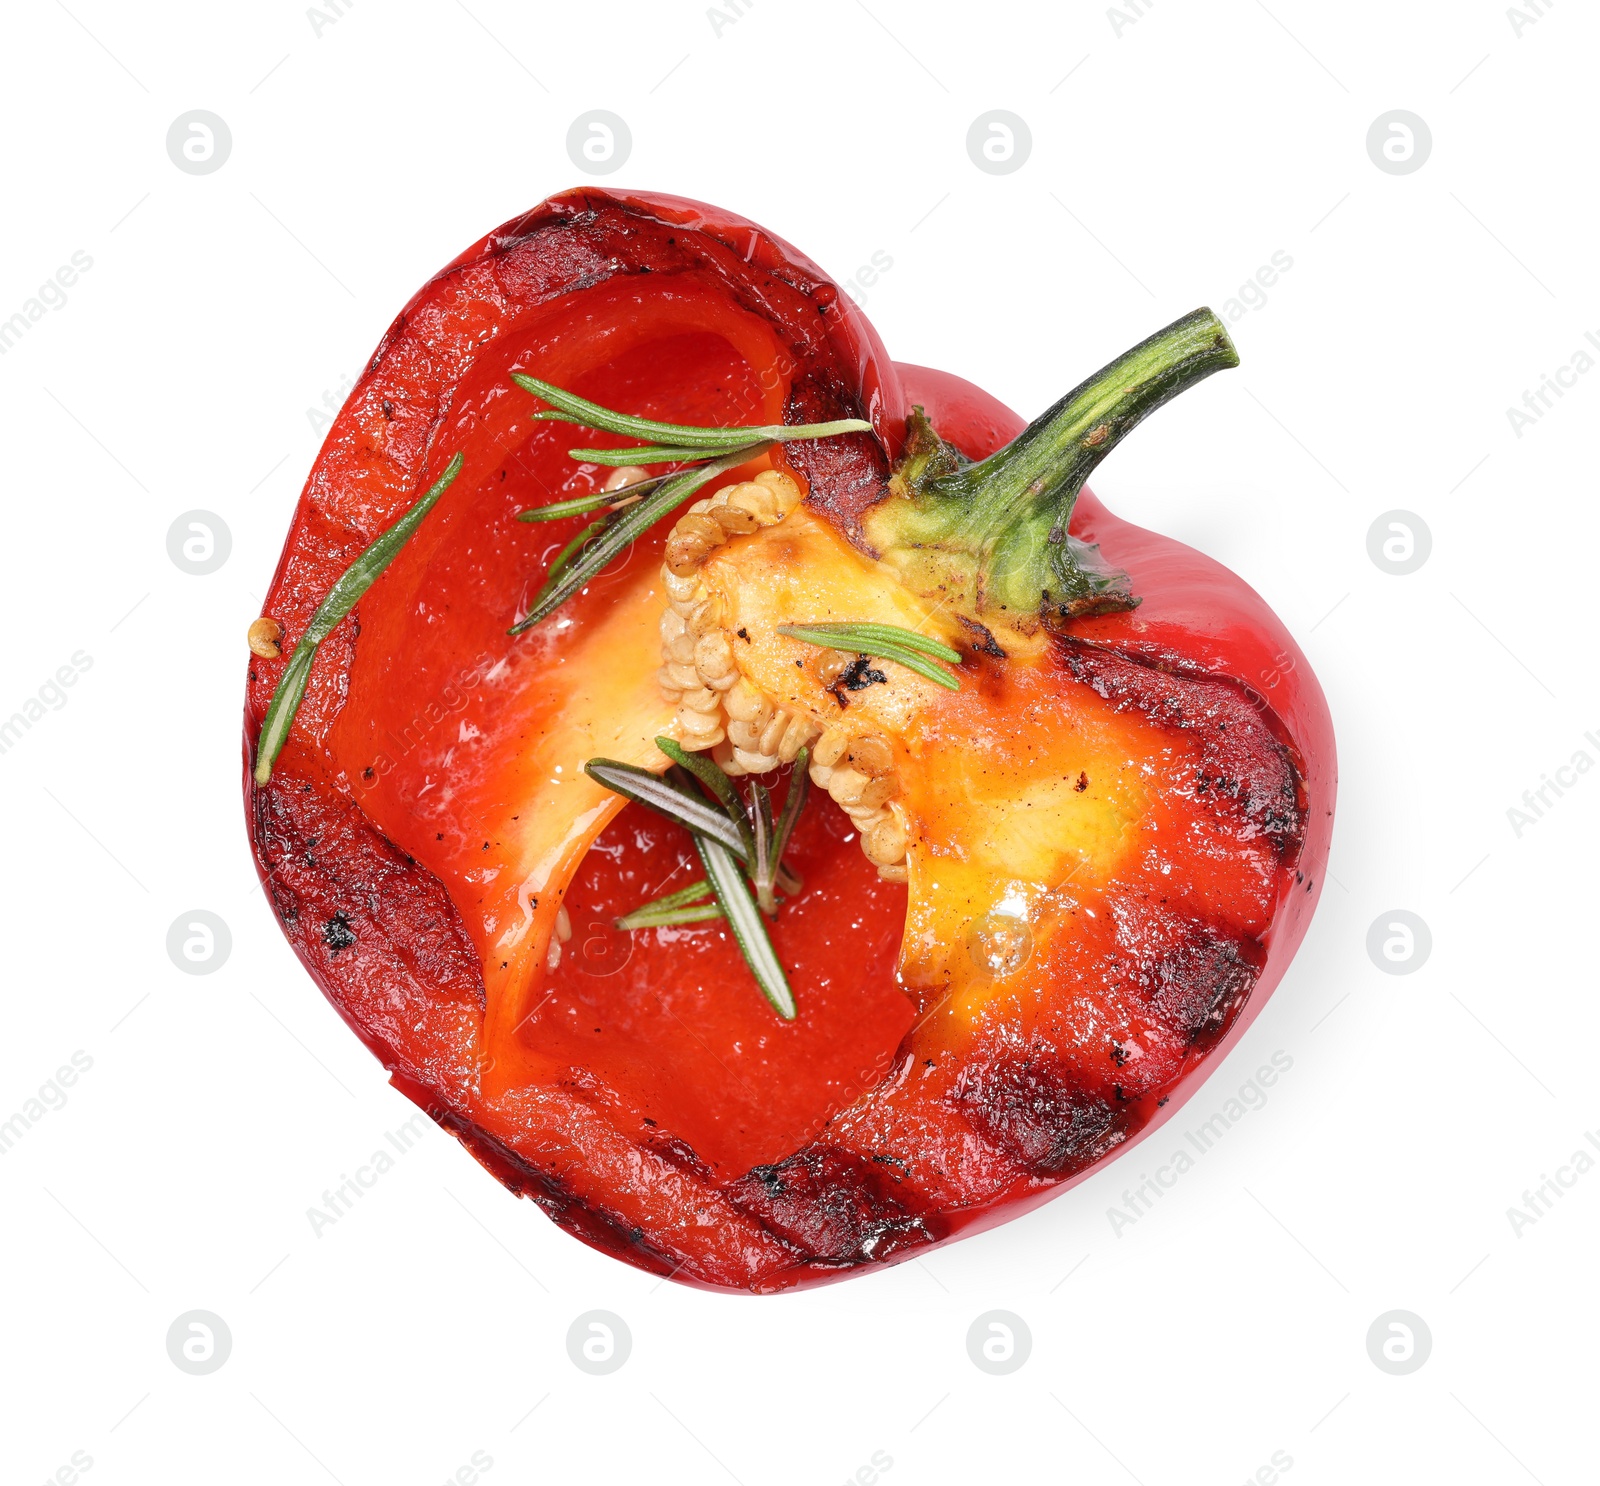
[
  {"x": 801, "y": 571},
  {"x": 1017, "y": 814},
  {"x": 1015, "y": 805},
  {"x": 596, "y": 697}
]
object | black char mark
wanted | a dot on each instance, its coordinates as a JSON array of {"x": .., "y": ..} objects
[
  {"x": 337, "y": 933},
  {"x": 348, "y": 895},
  {"x": 983, "y": 638},
  {"x": 861, "y": 673},
  {"x": 832, "y": 1207},
  {"x": 1033, "y": 1110},
  {"x": 1197, "y": 974},
  {"x": 1243, "y": 764},
  {"x": 590, "y": 1224}
]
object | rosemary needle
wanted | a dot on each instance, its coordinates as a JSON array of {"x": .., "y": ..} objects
[
  {"x": 733, "y": 841},
  {"x": 340, "y": 600},
  {"x": 686, "y": 906},
  {"x": 570, "y": 408},
  {"x": 904, "y": 647},
  {"x": 708, "y": 450}
]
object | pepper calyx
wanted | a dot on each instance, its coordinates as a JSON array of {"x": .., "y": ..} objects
[
  {"x": 993, "y": 537},
  {"x": 925, "y": 458}
]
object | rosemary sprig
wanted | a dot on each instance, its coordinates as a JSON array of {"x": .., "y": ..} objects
[
  {"x": 626, "y": 526},
  {"x": 601, "y": 500},
  {"x": 569, "y": 408},
  {"x": 341, "y": 599},
  {"x": 643, "y": 454},
  {"x": 668, "y": 443},
  {"x": 904, "y": 647},
  {"x": 761, "y": 855},
  {"x": 649, "y": 918},
  {"x": 749, "y": 928},
  {"x": 763, "y": 846},
  {"x": 569, "y": 553},
  {"x": 727, "y": 839},
  {"x": 720, "y": 785},
  {"x": 686, "y": 906},
  {"x": 772, "y": 837},
  {"x": 674, "y": 797}
]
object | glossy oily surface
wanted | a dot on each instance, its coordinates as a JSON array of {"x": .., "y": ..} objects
[{"x": 1114, "y": 833}]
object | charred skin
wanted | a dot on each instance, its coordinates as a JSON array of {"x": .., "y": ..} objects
[{"x": 886, "y": 1119}]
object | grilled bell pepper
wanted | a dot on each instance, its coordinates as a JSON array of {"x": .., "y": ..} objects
[{"x": 1056, "y": 891}]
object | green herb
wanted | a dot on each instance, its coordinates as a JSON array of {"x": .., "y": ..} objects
[
  {"x": 730, "y": 838},
  {"x": 630, "y": 517},
  {"x": 675, "y": 798},
  {"x": 772, "y": 838},
  {"x": 642, "y": 454},
  {"x": 764, "y": 842},
  {"x": 749, "y": 928},
  {"x": 601, "y": 500},
  {"x": 340, "y": 600},
  {"x": 650, "y": 918},
  {"x": 720, "y": 785},
  {"x": 573, "y": 409},
  {"x": 904, "y": 647},
  {"x": 569, "y": 553},
  {"x": 618, "y": 534},
  {"x": 673, "y": 908}
]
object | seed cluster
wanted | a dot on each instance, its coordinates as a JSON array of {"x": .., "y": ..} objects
[
  {"x": 717, "y": 708},
  {"x": 859, "y": 773},
  {"x": 720, "y": 711}
]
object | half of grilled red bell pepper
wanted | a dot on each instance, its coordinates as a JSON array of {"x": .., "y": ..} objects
[{"x": 1113, "y": 831}]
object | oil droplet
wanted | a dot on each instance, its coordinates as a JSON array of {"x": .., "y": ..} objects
[{"x": 1000, "y": 942}]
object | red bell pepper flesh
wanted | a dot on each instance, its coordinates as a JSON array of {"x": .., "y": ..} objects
[
  {"x": 632, "y": 1090},
  {"x": 678, "y": 1019}
]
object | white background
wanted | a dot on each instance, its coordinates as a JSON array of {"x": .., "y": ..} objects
[{"x": 1172, "y": 155}]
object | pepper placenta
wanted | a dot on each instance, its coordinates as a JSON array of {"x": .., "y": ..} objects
[{"x": 1029, "y": 904}]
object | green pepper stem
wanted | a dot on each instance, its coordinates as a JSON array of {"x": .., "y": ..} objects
[
  {"x": 1049, "y": 461},
  {"x": 1004, "y": 519}
]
